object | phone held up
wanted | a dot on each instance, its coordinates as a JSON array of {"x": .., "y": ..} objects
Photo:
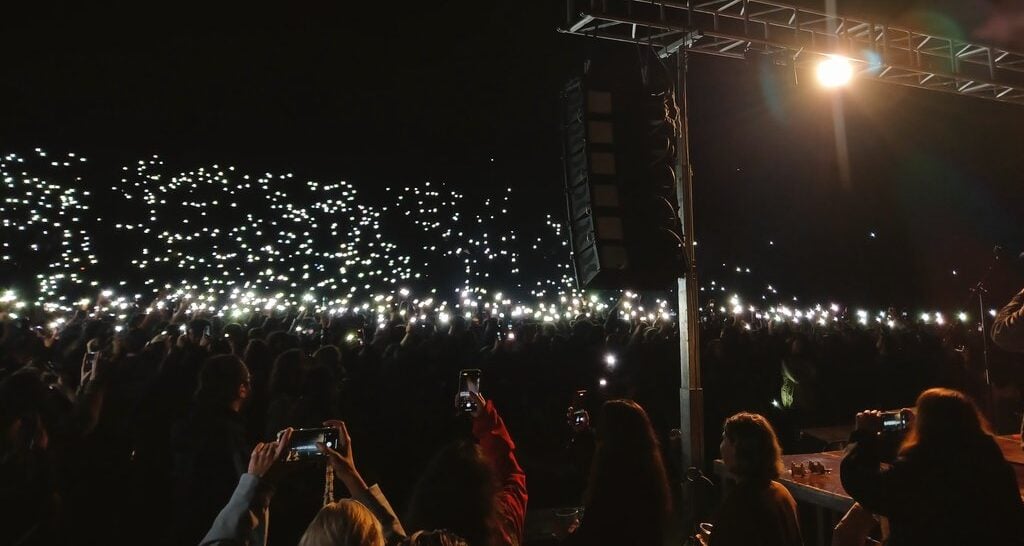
[
  {"x": 579, "y": 420},
  {"x": 304, "y": 440},
  {"x": 895, "y": 421},
  {"x": 469, "y": 384}
]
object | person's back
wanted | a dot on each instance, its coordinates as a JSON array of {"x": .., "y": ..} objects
[
  {"x": 757, "y": 514},
  {"x": 758, "y": 511},
  {"x": 950, "y": 483},
  {"x": 969, "y": 494},
  {"x": 965, "y": 494},
  {"x": 211, "y": 447},
  {"x": 628, "y": 500}
]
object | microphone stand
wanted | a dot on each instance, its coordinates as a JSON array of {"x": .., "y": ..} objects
[{"x": 979, "y": 290}]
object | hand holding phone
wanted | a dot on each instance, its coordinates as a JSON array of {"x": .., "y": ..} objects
[
  {"x": 340, "y": 456},
  {"x": 264, "y": 455}
]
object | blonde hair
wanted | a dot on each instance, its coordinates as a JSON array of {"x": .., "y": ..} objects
[{"x": 343, "y": 523}]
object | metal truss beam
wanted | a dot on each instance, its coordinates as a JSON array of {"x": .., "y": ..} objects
[{"x": 800, "y": 36}]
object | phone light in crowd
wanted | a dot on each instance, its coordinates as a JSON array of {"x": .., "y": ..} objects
[
  {"x": 350, "y": 337},
  {"x": 603, "y": 382},
  {"x": 107, "y": 293},
  {"x": 182, "y": 328},
  {"x": 610, "y": 360},
  {"x": 939, "y": 320},
  {"x": 775, "y": 403},
  {"x": 961, "y": 316},
  {"x": 511, "y": 336},
  {"x": 118, "y": 328},
  {"x": 834, "y": 71},
  {"x": 992, "y": 312}
]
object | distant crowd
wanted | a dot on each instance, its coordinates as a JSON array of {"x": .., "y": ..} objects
[{"x": 146, "y": 428}]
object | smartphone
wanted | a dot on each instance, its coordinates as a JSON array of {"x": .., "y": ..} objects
[
  {"x": 895, "y": 421},
  {"x": 90, "y": 360},
  {"x": 469, "y": 383},
  {"x": 578, "y": 418},
  {"x": 304, "y": 440}
]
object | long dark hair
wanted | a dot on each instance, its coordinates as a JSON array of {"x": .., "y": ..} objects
[
  {"x": 457, "y": 492},
  {"x": 628, "y": 487},
  {"x": 943, "y": 417}
]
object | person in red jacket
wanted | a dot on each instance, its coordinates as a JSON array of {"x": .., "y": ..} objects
[{"x": 477, "y": 491}]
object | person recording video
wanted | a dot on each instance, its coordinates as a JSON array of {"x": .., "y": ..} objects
[{"x": 949, "y": 483}]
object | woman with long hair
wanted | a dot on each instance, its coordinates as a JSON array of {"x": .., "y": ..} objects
[
  {"x": 758, "y": 511},
  {"x": 627, "y": 501},
  {"x": 950, "y": 483}
]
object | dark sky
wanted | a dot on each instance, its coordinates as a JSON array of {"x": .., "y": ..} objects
[{"x": 434, "y": 90}]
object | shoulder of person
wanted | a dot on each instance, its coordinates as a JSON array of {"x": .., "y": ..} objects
[{"x": 780, "y": 493}]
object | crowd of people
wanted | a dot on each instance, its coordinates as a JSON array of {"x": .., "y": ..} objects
[
  {"x": 805, "y": 374},
  {"x": 165, "y": 426}
]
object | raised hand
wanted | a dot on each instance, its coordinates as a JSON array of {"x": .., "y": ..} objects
[
  {"x": 869, "y": 421},
  {"x": 265, "y": 454},
  {"x": 341, "y": 459}
]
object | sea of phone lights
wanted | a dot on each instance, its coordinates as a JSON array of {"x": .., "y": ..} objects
[{"x": 230, "y": 243}]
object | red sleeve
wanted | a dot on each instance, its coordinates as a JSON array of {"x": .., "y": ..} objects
[{"x": 498, "y": 447}]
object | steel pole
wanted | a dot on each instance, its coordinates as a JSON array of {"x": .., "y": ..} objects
[{"x": 691, "y": 395}]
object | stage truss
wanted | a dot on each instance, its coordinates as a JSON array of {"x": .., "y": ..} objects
[{"x": 794, "y": 36}]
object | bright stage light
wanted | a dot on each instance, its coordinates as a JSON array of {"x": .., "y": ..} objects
[{"x": 834, "y": 71}]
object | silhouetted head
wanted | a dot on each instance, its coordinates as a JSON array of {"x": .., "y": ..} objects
[
  {"x": 943, "y": 417},
  {"x": 223, "y": 382},
  {"x": 750, "y": 449},
  {"x": 457, "y": 492}
]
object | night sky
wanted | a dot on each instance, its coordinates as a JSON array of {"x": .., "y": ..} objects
[{"x": 467, "y": 93}]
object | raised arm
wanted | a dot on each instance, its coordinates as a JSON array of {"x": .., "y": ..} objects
[
  {"x": 882, "y": 491},
  {"x": 240, "y": 521},
  {"x": 371, "y": 497},
  {"x": 497, "y": 445}
]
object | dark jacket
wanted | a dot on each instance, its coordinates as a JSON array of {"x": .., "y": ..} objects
[
  {"x": 965, "y": 493},
  {"x": 757, "y": 514},
  {"x": 211, "y": 453},
  {"x": 1008, "y": 327}
]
